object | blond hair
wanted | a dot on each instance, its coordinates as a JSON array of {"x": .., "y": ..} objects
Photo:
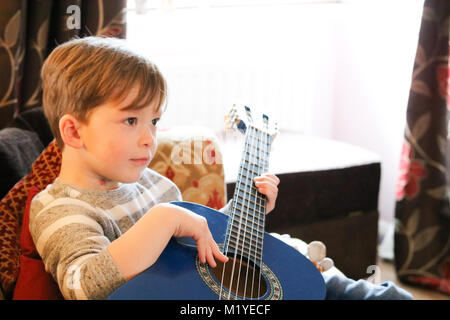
[{"x": 84, "y": 73}]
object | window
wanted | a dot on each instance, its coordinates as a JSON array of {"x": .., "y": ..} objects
[{"x": 281, "y": 57}]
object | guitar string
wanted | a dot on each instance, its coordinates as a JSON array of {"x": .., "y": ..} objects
[
  {"x": 227, "y": 245},
  {"x": 262, "y": 204},
  {"x": 254, "y": 210},
  {"x": 265, "y": 168},
  {"x": 242, "y": 213},
  {"x": 232, "y": 218},
  {"x": 239, "y": 224},
  {"x": 260, "y": 199},
  {"x": 251, "y": 236},
  {"x": 252, "y": 163}
]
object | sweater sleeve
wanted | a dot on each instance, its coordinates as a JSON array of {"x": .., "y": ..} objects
[{"x": 71, "y": 241}]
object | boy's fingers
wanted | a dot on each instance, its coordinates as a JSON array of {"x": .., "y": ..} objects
[
  {"x": 210, "y": 258},
  {"x": 267, "y": 185},
  {"x": 223, "y": 257},
  {"x": 274, "y": 178},
  {"x": 213, "y": 252},
  {"x": 201, "y": 256},
  {"x": 218, "y": 254},
  {"x": 267, "y": 189},
  {"x": 270, "y": 194},
  {"x": 261, "y": 184},
  {"x": 266, "y": 182},
  {"x": 201, "y": 248},
  {"x": 269, "y": 177}
]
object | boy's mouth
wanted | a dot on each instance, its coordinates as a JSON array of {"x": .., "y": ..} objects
[{"x": 141, "y": 161}]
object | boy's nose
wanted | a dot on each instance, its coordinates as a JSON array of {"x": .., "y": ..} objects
[{"x": 147, "y": 137}]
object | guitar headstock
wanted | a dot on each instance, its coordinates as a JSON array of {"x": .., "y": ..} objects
[{"x": 241, "y": 117}]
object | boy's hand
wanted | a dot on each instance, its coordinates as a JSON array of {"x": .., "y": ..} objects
[
  {"x": 267, "y": 185},
  {"x": 196, "y": 226},
  {"x": 206, "y": 246}
]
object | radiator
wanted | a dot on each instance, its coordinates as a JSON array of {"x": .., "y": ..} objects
[{"x": 202, "y": 95}]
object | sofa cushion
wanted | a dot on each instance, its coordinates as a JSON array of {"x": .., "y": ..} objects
[{"x": 190, "y": 156}]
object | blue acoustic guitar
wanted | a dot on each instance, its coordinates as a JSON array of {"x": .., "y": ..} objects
[{"x": 259, "y": 266}]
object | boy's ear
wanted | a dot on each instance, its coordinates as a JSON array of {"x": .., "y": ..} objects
[{"x": 69, "y": 127}]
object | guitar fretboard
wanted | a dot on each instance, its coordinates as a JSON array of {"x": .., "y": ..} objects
[{"x": 245, "y": 231}]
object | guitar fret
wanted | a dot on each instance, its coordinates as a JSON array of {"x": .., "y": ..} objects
[
  {"x": 247, "y": 207},
  {"x": 258, "y": 235},
  {"x": 254, "y": 235},
  {"x": 262, "y": 147},
  {"x": 255, "y": 258},
  {"x": 247, "y": 214},
  {"x": 253, "y": 137},
  {"x": 245, "y": 171},
  {"x": 244, "y": 251},
  {"x": 256, "y": 151},
  {"x": 250, "y": 170},
  {"x": 261, "y": 163},
  {"x": 250, "y": 198},
  {"x": 243, "y": 192},
  {"x": 245, "y": 231},
  {"x": 246, "y": 181},
  {"x": 249, "y": 255},
  {"x": 247, "y": 245},
  {"x": 249, "y": 204},
  {"x": 246, "y": 222}
]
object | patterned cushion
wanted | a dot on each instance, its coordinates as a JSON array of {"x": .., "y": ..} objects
[
  {"x": 44, "y": 170},
  {"x": 202, "y": 182},
  {"x": 191, "y": 158}
]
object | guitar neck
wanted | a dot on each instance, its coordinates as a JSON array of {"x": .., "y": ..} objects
[{"x": 245, "y": 231}]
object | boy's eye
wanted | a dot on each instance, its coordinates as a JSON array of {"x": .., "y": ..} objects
[
  {"x": 155, "y": 121},
  {"x": 131, "y": 121}
]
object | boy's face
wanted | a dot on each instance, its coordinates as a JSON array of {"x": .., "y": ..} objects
[{"x": 119, "y": 144}]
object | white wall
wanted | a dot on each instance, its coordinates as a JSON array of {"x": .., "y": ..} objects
[
  {"x": 352, "y": 63},
  {"x": 271, "y": 57},
  {"x": 375, "y": 46}
]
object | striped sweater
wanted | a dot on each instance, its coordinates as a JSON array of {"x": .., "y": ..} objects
[{"x": 72, "y": 227}]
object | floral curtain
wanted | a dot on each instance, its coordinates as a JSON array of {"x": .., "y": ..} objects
[
  {"x": 422, "y": 238},
  {"x": 30, "y": 29}
]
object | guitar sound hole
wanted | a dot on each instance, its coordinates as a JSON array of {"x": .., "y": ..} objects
[{"x": 247, "y": 280}]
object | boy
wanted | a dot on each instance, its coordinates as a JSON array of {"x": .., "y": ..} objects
[{"x": 106, "y": 218}]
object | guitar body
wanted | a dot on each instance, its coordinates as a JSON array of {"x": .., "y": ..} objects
[{"x": 178, "y": 274}]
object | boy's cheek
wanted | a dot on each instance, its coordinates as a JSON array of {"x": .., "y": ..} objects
[
  {"x": 116, "y": 149},
  {"x": 152, "y": 151}
]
